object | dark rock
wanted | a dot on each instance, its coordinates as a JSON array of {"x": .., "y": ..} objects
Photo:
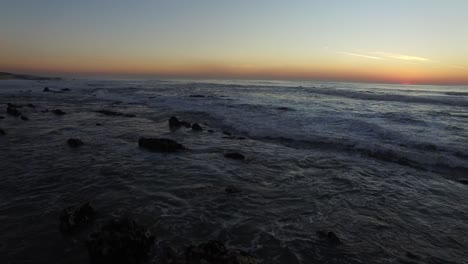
[
  {"x": 232, "y": 189},
  {"x": 24, "y": 118},
  {"x": 98, "y": 124},
  {"x": 58, "y": 112},
  {"x": 45, "y": 111},
  {"x": 412, "y": 255},
  {"x": 160, "y": 144},
  {"x": 2, "y": 132},
  {"x": 65, "y": 89},
  {"x": 234, "y": 155},
  {"x": 331, "y": 237},
  {"x": 2, "y": 117},
  {"x": 11, "y": 110},
  {"x": 214, "y": 252},
  {"x": 197, "y": 95},
  {"x": 227, "y": 133},
  {"x": 14, "y": 105},
  {"x": 74, "y": 142},
  {"x": 46, "y": 89},
  {"x": 31, "y": 105},
  {"x": 113, "y": 113},
  {"x": 120, "y": 241},
  {"x": 463, "y": 181},
  {"x": 241, "y": 138},
  {"x": 196, "y": 127},
  {"x": 73, "y": 218},
  {"x": 175, "y": 123},
  {"x": 210, "y": 131},
  {"x": 283, "y": 108}
]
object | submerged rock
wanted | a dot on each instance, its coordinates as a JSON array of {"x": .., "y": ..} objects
[
  {"x": 58, "y": 112},
  {"x": 331, "y": 237},
  {"x": 120, "y": 241},
  {"x": 31, "y": 105},
  {"x": 11, "y": 110},
  {"x": 160, "y": 144},
  {"x": 232, "y": 189},
  {"x": 24, "y": 118},
  {"x": 234, "y": 155},
  {"x": 227, "y": 133},
  {"x": 65, "y": 89},
  {"x": 214, "y": 252},
  {"x": 72, "y": 218},
  {"x": 283, "y": 108},
  {"x": 2, "y": 132},
  {"x": 196, "y": 127},
  {"x": 210, "y": 131},
  {"x": 46, "y": 89},
  {"x": 113, "y": 113},
  {"x": 74, "y": 142},
  {"x": 98, "y": 124},
  {"x": 2, "y": 117},
  {"x": 197, "y": 95},
  {"x": 175, "y": 123}
]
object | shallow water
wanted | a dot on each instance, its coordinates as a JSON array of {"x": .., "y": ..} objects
[{"x": 379, "y": 165}]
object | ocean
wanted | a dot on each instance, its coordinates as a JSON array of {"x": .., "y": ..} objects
[{"x": 383, "y": 166}]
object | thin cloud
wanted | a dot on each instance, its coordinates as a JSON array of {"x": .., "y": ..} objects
[
  {"x": 458, "y": 67},
  {"x": 400, "y": 56},
  {"x": 361, "y": 55}
]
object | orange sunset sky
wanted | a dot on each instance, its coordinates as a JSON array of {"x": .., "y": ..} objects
[{"x": 422, "y": 42}]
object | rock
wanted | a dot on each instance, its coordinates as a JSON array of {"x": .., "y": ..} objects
[
  {"x": 74, "y": 142},
  {"x": 2, "y": 117},
  {"x": 210, "y": 131},
  {"x": 196, "y": 95},
  {"x": 234, "y": 155},
  {"x": 58, "y": 112},
  {"x": 283, "y": 108},
  {"x": 113, "y": 113},
  {"x": 232, "y": 189},
  {"x": 412, "y": 255},
  {"x": 46, "y": 89},
  {"x": 2, "y": 132},
  {"x": 227, "y": 133},
  {"x": 11, "y": 110},
  {"x": 98, "y": 124},
  {"x": 241, "y": 138},
  {"x": 65, "y": 89},
  {"x": 73, "y": 218},
  {"x": 31, "y": 105},
  {"x": 174, "y": 123},
  {"x": 45, "y": 111},
  {"x": 331, "y": 237},
  {"x": 463, "y": 182},
  {"x": 24, "y": 118},
  {"x": 120, "y": 241},
  {"x": 196, "y": 127},
  {"x": 160, "y": 144},
  {"x": 214, "y": 252},
  {"x": 14, "y": 105}
]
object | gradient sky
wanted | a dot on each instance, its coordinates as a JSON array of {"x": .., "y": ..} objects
[{"x": 402, "y": 41}]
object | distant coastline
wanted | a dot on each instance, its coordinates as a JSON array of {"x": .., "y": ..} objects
[{"x": 13, "y": 76}]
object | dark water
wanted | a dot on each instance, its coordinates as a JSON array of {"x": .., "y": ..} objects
[{"x": 379, "y": 165}]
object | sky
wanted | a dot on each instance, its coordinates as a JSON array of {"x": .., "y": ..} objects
[{"x": 398, "y": 41}]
